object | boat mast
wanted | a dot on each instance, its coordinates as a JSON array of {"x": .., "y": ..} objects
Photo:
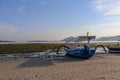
[{"x": 88, "y": 38}]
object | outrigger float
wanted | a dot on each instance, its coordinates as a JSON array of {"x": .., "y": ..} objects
[{"x": 84, "y": 52}]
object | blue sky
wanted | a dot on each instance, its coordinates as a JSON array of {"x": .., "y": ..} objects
[{"x": 22, "y": 20}]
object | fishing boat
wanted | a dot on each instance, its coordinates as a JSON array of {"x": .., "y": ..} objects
[
  {"x": 82, "y": 52},
  {"x": 114, "y": 49}
]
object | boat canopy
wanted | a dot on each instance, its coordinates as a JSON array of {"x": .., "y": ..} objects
[
  {"x": 81, "y": 38},
  {"x": 84, "y": 38}
]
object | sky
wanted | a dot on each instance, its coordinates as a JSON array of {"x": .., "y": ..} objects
[{"x": 22, "y": 20}]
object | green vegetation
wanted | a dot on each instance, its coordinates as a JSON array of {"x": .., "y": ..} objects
[
  {"x": 25, "y": 48},
  {"x": 37, "y": 47}
]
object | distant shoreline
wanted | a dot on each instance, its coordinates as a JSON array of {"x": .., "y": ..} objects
[
  {"x": 7, "y": 41},
  {"x": 29, "y": 42}
]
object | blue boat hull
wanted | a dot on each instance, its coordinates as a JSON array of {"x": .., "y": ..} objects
[{"x": 81, "y": 52}]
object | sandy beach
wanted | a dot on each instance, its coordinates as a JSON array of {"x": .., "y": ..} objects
[{"x": 99, "y": 67}]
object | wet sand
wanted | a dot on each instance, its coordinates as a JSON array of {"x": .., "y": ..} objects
[{"x": 99, "y": 67}]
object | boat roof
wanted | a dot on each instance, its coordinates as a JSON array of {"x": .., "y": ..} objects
[
  {"x": 82, "y": 38},
  {"x": 85, "y": 38}
]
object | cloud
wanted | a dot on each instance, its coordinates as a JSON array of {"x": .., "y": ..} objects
[
  {"x": 42, "y": 2},
  {"x": 23, "y": 1},
  {"x": 104, "y": 29},
  {"x": 106, "y": 25},
  {"x": 107, "y": 7},
  {"x": 113, "y": 12},
  {"x": 7, "y": 28},
  {"x": 100, "y": 7},
  {"x": 109, "y": 25},
  {"x": 21, "y": 9}
]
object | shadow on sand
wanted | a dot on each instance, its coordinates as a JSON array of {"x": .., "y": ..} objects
[{"x": 37, "y": 62}]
